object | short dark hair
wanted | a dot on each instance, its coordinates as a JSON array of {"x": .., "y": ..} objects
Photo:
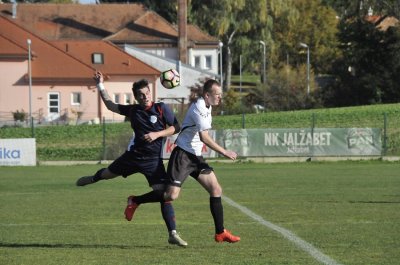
[
  {"x": 209, "y": 84},
  {"x": 139, "y": 85}
]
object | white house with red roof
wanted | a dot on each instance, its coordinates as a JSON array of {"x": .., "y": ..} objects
[
  {"x": 62, "y": 87},
  {"x": 71, "y": 27}
]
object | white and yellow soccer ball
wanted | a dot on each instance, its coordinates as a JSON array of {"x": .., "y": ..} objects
[{"x": 170, "y": 79}]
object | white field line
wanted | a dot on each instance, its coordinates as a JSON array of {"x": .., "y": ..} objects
[{"x": 307, "y": 247}]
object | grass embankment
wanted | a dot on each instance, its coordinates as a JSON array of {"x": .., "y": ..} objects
[{"x": 85, "y": 142}]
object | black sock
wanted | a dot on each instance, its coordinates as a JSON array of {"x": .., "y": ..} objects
[
  {"x": 152, "y": 196},
  {"x": 168, "y": 213},
  {"x": 97, "y": 176},
  {"x": 217, "y": 212}
]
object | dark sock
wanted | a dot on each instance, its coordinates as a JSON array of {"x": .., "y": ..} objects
[
  {"x": 168, "y": 213},
  {"x": 97, "y": 176},
  {"x": 152, "y": 196},
  {"x": 217, "y": 212}
]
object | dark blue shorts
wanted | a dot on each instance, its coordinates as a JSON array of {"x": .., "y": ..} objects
[
  {"x": 183, "y": 164},
  {"x": 128, "y": 164}
]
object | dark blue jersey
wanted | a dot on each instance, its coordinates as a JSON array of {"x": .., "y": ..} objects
[{"x": 143, "y": 121}]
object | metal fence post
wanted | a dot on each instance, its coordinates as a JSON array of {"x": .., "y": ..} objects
[
  {"x": 384, "y": 133},
  {"x": 104, "y": 139},
  {"x": 32, "y": 128},
  {"x": 312, "y": 135},
  {"x": 313, "y": 122}
]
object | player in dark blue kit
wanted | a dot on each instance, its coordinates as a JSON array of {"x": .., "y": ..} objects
[
  {"x": 150, "y": 123},
  {"x": 187, "y": 160}
]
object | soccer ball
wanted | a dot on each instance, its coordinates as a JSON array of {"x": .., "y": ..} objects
[{"x": 170, "y": 79}]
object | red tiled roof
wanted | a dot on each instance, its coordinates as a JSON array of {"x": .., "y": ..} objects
[
  {"x": 388, "y": 22},
  {"x": 56, "y": 21},
  {"x": 49, "y": 63},
  {"x": 129, "y": 23},
  {"x": 153, "y": 29},
  {"x": 10, "y": 49},
  {"x": 149, "y": 28},
  {"x": 153, "y": 21},
  {"x": 116, "y": 61},
  {"x": 373, "y": 19},
  {"x": 199, "y": 36},
  {"x": 382, "y": 22}
]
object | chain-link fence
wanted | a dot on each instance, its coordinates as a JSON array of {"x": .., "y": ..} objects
[
  {"x": 387, "y": 120},
  {"x": 107, "y": 140}
]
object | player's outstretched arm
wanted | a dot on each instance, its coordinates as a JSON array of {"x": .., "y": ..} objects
[
  {"x": 98, "y": 76},
  {"x": 171, "y": 123},
  {"x": 206, "y": 138},
  {"x": 151, "y": 136}
]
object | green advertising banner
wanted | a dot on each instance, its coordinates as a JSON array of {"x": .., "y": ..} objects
[{"x": 302, "y": 141}]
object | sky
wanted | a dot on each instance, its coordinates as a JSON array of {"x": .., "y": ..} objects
[{"x": 87, "y": 1}]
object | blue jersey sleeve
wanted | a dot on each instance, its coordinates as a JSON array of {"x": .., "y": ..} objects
[
  {"x": 125, "y": 109},
  {"x": 169, "y": 117}
]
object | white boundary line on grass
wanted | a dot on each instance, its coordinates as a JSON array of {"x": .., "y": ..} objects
[{"x": 307, "y": 247}]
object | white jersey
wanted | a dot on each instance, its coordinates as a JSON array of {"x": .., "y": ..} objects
[{"x": 198, "y": 118}]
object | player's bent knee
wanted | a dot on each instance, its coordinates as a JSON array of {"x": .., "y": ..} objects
[
  {"x": 171, "y": 195},
  {"x": 217, "y": 192}
]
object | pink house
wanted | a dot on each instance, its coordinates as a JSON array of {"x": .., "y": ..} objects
[{"x": 61, "y": 73}]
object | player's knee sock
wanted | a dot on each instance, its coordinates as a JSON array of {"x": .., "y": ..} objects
[
  {"x": 97, "y": 176},
  {"x": 168, "y": 214},
  {"x": 152, "y": 196},
  {"x": 217, "y": 212}
]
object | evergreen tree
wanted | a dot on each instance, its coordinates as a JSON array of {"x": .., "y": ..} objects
[{"x": 368, "y": 71}]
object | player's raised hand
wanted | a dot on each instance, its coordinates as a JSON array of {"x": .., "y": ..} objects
[{"x": 98, "y": 76}]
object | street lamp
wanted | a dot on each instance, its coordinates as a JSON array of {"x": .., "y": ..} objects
[
  {"x": 264, "y": 73},
  {"x": 241, "y": 95},
  {"x": 264, "y": 78},
  {"x": 30, "y": 80},
  {"x": 308, "y": 65},
  {"x": 220, "y": 44}
]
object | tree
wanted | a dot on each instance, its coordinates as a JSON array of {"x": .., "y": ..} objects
[
  {"x": 286, "y": 90},
  {"x": 232, "y": 103},
  {"x": 392, "y": 63},
  {"x": 368, "y": 71},
  {"x": 318, "y": 29},
  {"x": 352, "y": 8},
  {"x": 230, "y": 21}
]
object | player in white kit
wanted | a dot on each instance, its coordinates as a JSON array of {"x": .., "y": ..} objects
[{"x": 186, "y": 159}]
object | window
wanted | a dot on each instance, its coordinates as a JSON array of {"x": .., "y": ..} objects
[
  {"x": 208, "y": 62},
  {"x": 53, "y": 106},
  {"x": 128, "y": 98},
  {"x": 54, "y": 103},
  {"x": 76, "y": 98},
  {"x": 116, "y": 98},
  {"x": 197, "y": 62},
  {"x": 97, "y": 58}
]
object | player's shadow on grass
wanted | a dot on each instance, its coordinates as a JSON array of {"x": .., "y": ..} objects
[
  {"x": 373, "y": 202},
  {"x": 376, "y": 202},
  {"x": 44, "y": 245}
]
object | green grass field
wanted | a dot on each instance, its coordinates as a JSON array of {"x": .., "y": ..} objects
[{"x": 349, "y": 211}]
